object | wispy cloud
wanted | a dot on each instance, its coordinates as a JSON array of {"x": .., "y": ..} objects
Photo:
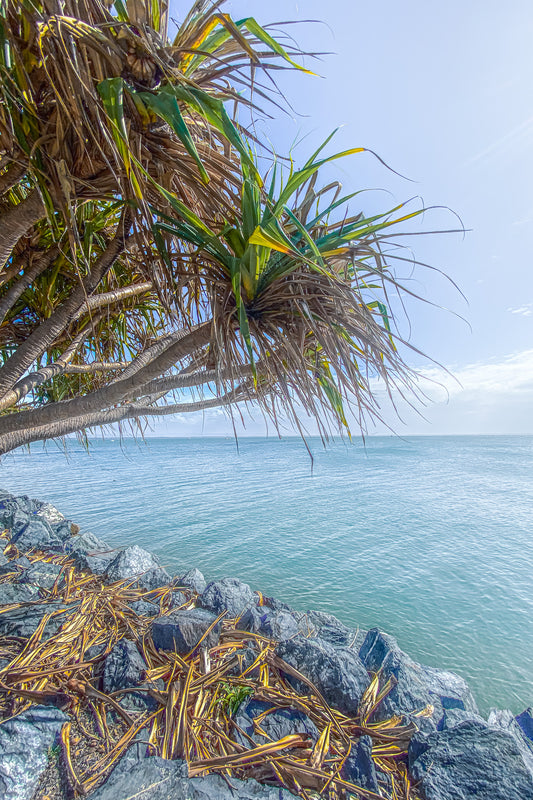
[
  {"x": 504, "y": 143},
  {"x": 524, "y": 311}
]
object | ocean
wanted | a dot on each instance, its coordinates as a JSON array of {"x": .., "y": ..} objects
[{"x": 429, "y": 538}]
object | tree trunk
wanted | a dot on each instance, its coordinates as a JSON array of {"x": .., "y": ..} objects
[{"x": 17, "y": 221}]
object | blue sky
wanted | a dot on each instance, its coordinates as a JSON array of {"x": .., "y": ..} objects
[{"x": 444, "y": 94}]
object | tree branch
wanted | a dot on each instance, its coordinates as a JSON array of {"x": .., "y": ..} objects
[
  {"x": 112, "y": 393},
  {"x": 106, "y": 298},
  {"x": 11, "y": 441}
]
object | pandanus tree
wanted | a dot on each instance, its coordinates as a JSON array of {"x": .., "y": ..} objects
[{"x": 141, "y": 252}]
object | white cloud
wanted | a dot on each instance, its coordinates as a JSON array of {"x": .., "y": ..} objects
[{"x": 524, "y": 311}]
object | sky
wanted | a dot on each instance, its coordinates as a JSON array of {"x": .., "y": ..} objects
[{"x": 443, "y": 93}]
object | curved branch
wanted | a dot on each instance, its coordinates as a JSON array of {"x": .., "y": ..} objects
[
  {"x": 112, "y": 393},
  {"x": 11, "y": 176},
  {"x": 106, "y": 298},
  {"x": 11, "y": 441}
]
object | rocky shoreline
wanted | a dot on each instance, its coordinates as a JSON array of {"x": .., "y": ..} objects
[{"x": 300, "y": 701}]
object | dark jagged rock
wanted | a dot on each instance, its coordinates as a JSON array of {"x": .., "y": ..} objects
[
  {"x": 278, "y": 723},
  {"x": 332, "y": 630},
  {"x": 279, "y": 625},
  {"x": 24, "y": 744},
  {"x": 95, "y": 562},
  {"x": 35, "y": 533},
  {"x": 17, "y": 593},
  {"x": 177, "y": 599},
  {"x": 359, "y": 767},
  {"x": 124, "y": 668},
  {"x": 507, "y": 722},
  {"x": 337, "y": 673},
  {"x": 144, "y": 608},
  {"x": 525, "y": 721},
  {"x": 181, "y": 630},
  {"x": 41, "y": 574},
  {"x": 50, "y": 513},
  {"x": 136, "y": 563},
  {"x": 24, "y": 621},
  {"x": 228, "y": 594},
  {"x": 3, "y": 559},
  {"x": 470, "y": 760},
  {"x": 193, "y": 579},
  {"x": 16, "y": 565},
  {"x": 153, "y": 778},
  {"x": 453, "y": 717},
  {"x": 417, "y": 686}
]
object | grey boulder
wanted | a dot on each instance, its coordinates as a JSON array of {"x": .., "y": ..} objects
[
  {"x": 153, "y": 778},
  {"x": 469, "y": 760},
  {"x": 278, "y": 625},
  {"x": 359, "y": 767},
  {"x": 417, "y": 686},
  {"x": 182, "y": 630},
  {"x": 228, "y": 594},
  {"x": 135, "y": 563},
  {"x": 36, "y": 533},
  {"x": 338, "y": 673},
  {"x": 41, "y": 574},
  {"x": 24, "y": 744},
  {"x": 124, "y": 668},
  {"x": 278, "y": 723},
  {"x": 525, "y": 722},
  {"x": 25, "y": 620},
  {"x": 193, "y": 579},
  {"x": 17, "y": 593}
]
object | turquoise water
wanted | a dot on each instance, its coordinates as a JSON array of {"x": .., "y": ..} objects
[{"x": 429, "y": 538}]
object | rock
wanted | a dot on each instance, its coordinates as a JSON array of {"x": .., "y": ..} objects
[
  {"x": 181, "y": 630},
  {"x": 525, "y": 721},
  {"x": 95, "y": 562},
  {"x": 417, "y": 686},
  {"x": 144, "y": 777},
  {"x": 228, "y": 594},
  {"x": 453, "y": 717},
  {"x": 24, "y": 621},
  {"x": 332, "y": 630},
  {"x": 17, "y": 593},
  {"x": 87, "y": 543},
  {"x": 3, "y": 559},
  {"x": 506, "y": 721},
  {"x": 145, "y": 609},
  {"x": 337, "y": 673},
  {"x": 278, "y": 723},
  {"x": 24, "y": 744},
  {"x": 278, "y": 625},
  {"x": 17, "y": 565},
  {"x": 41, "y": 574},
  {"x": 359, "y": 767},
  {"x": 124, "y": 668},
  {"x": 470, "y": 760},
  {"x": 193, "y": 579},
  {"x": 50, "y": 513},
  {"x": 37, "y": 534},
  {"x": 136, "y": 563},
  {"x": 177, "y": 600}
]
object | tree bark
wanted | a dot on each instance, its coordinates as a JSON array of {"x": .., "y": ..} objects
[
  {"x": 106, "y": 298},
  {"x": 17, "y": 221},
  {"x": 36, "y": 344},
  {"x": 11, "y": 441},
  {"x": 111, "y": 394}
]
